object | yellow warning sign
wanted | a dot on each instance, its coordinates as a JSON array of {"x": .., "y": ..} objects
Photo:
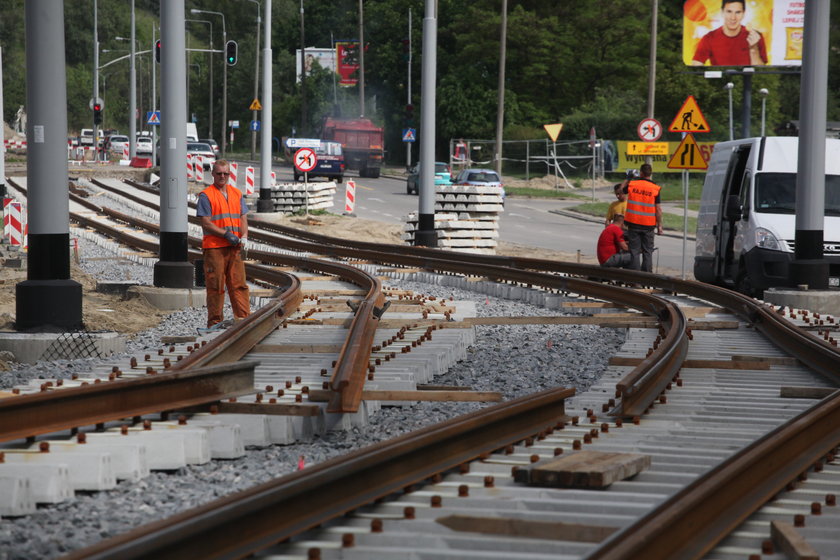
[
  {"x": 689, "y": 118},
  {"x": 688, "y": 155},
  {"x": 647, "y": 148},
  {"x": 255, "y": 105},
  {"x": 553, "y": 130}
]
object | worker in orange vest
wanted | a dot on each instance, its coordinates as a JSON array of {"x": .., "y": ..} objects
[
  {"x": 222, "y": 210},
  {"x": 643, "y": 217}
]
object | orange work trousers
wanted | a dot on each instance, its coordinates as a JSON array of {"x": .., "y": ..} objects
[{"x": 223, "y": 267}]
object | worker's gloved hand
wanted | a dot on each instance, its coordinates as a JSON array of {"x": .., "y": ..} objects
[
  {"x": 232, "y": 238},
  {"x": 243, "y": 243}
]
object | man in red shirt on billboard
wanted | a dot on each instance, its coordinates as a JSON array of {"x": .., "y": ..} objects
[{"x": 731, "y": 44}]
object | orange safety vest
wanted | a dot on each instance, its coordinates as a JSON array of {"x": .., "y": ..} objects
[
  {"x": 225, "y": 213},
  {"x": 641, "y": 202}
]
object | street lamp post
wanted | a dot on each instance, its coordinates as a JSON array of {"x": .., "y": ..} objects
[
  {"x": 210, "y": 79},
  {"x": 132, "y": 108},
  {"x": 224, "y": 76},
  {"x": 763, "y": 92},
  {"x": 254, "y": 115},
  {"x": 729, "y": 86}
]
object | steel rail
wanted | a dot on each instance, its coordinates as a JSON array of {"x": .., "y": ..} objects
[
  {"x": 692, "y": 522},
  {"x": 240, "y": 524},
  {"x": 50, "y": 411}
]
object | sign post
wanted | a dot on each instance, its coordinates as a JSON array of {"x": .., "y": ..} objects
[{"x": 305, "y": 161}]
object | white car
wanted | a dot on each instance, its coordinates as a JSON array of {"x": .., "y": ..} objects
[
  {"x": 143, "y": 145},
  {"x": 117, "y": 143}
]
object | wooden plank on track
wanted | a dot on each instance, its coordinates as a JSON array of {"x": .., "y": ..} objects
[
  {"x": 276, "y": 409},
  {"x": 791, "y": 542},
  {"x": 701, "y": 364},
  {"x": 712, "y": 325},
  {"x": 591, "y": 305},
  {"x": 583, "y": 469},
  {"x": 776, "y": 360},
  {"x": 324, "y": 395},
  {"x": 806, "y": 392},
  {"x": 572, "y": 532},
  {"x": 297, "y": 348},
  {"x": 555, "y": 320}
]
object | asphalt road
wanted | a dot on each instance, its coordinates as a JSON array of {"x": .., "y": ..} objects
[{"x": 539, "y": 223}]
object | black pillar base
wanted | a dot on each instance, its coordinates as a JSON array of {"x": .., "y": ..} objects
[
  {"x": 425, "y": 235},
  {"x": 170, "y": 274},
  {"x": 264, "y": 205},
  {"x": 813, "y": 272},
  {"x": 48, "y": 306}
]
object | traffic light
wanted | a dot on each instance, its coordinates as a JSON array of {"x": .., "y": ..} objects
[
  {"x": 97, "y": 113},
  {"x": 157, "y": 50},
  {"x": 409, "y": 115},
  {"x": 230, "y": 52}
]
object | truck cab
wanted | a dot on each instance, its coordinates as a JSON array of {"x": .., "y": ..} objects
[{"x": 746, "y": 225}]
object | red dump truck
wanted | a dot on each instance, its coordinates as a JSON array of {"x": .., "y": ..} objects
[{"x": 362, "y": 143}]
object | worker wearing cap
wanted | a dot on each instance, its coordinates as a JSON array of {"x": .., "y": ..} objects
[
  {"x": 643, "y": 218},
  {"x": 222, "y": 210}
]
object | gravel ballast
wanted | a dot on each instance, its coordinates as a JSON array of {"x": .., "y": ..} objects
[{"x": 515, "y": 360}]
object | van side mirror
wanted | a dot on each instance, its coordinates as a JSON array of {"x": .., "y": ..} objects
[{"x": 733, "y": 208}]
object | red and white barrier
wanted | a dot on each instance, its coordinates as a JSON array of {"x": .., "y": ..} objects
[
  {"x": 13, "y": 221},
  {"x": 189, "y": 167},
  {"x": 199, "y": 169},
  {"x": 273, "y": 178},
  {"x": 125, "y": 153},
  {"x": 234, "y": 167},
  {"x": 350, "y": 197},
  {"x": 249, "y": 180},
  {"x": 14, "y": 143}
]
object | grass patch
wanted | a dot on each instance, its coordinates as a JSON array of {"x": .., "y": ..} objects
[{"x": 527, "y": 192}]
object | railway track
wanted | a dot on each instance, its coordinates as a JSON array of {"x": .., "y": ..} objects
[{"x": 703, "y": 473}]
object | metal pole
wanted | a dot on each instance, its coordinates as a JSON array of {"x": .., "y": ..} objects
[
  {"x": 224, "y": 92},
  {"x": 265, "y": 203},
  {"x": 173, "y": 270},
  {"x": 362, "y": 58},
  {"x": 408, "y": 101},
  {"x": 48, "y": 300},
  {"x": 651, "y": 101},
  {"x": 254, "y": 115},
  {"x": 500, "y": 109},
  {"x": 2, "y": 139},
  {"x": 763, "y": 92},
  {"x": 303, "y": 74},
  {"x": 154, "y": 98},
  {"x": 729, "y": 87},
  {"x": 132, "y": 108},
  {"x": 95, "y": 78},
  {"x": 809, "y": 266},
  {"x": 685, "y": 219},
  {"x": 425, "y": 234},
  {"x": 746, "y": 103}
]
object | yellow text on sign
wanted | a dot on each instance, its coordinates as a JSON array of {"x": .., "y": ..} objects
[
  {"x": 688, "y": 155},
  {"x": 647, "y": 148}
]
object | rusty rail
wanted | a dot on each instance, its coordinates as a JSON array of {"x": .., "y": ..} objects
[
  {"x": 238, "y": 525},
  {"x": 51, "y": 411}
]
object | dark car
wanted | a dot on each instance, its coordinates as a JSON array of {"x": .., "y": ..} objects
[
  {"x": 214, "y": 145},
  {"x": 330, "y": 162},
  {"x": 442, "y": 177}
]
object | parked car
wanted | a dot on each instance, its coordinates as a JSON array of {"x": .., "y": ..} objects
[
  {"x": 204, "y": 150},
  {"x": 143, "y": 146},
  {"x": 442, "y": 177},
  {"x": 116, "y": 143},
  {"x": 214, "y": 145},
  {"x": 480, "y": 177}
]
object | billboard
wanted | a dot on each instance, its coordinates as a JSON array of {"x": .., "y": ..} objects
[
  {"x": 743, "y": 33},
  {"x": 630, "y": 156},
  {"x": 325, "y": 57},
  {"x": 347, "y": 55}
]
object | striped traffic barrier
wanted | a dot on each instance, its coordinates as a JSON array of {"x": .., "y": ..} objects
[
  {"x": 199, "y": 169},
  {"x": 350, "y": 197},
  {"x": 234, "y": 167},
  {"x": 249, "y": 180},
  {"x": 189, "y": 167},
  {"x": 13, "y": 221},
  {"x": 125, "y": 152}
]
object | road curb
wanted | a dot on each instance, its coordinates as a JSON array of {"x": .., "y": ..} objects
[{"x": 593, "y": 219}]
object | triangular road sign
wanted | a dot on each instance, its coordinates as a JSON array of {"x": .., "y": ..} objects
[
  {"x": 689, "y": 118},
  {"x": 688, "y": 155},
  {"x": 553, "y": 130},
  {"x": 255, "y": 105}
]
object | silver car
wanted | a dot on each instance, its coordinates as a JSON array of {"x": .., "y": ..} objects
[{"x": 204, "y": 150}]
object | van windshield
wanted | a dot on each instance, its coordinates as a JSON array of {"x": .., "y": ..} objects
[{"x": 775, "y": 193}]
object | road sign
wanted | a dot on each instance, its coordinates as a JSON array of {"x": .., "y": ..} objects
[
  {"x": 689, "y": 118},
  {"x": 153, "y": 117},
  {"x": 305, "y": 159},
  {"x": 647, "y": 148},
  {"x": 255, "y": 126},
  {"x": 409, "y": 135},
  {"x": 255, "y": 105},
  {"x": 233, "y": 124},
  {"x": 553, "y": 130},
  {"x": 688, "y": 155},
  {"x": 303, "y": 143},
  {"x": 649, "y": 130}
]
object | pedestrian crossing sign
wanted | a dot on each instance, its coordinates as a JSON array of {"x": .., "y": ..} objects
[
  {"x": 409, "y": 135},
  {"x": 689, "y": 118},
  {"x": 153, "y": 117}
]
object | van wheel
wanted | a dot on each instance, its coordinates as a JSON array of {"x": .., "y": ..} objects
[
  {"x": 373, "y": 173},
  {"x": 340, "y": 179},
  {"x": 745, "y": 286}
]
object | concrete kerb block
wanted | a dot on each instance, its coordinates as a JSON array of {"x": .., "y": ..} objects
[
  {"x": 48, "y": 484},
  {"x": 165, "y": 450},
  {"x": 88, "y": 471},
  {"x": 128, "y": 458},
  {"x": 15, "y": 497},
  {"x": 33, "y": 347},
  {"x": 169, "y": 299},
  {"x": 225, "y": 438}
]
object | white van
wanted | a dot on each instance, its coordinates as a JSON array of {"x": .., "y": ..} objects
[
  {"x": 192, "y": 132},
  {"x": 746, "y": 225}
]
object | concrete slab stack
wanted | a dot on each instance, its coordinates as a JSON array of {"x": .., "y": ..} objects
[
  {"x": 294, "y": 197},
  {"x": 466, "y": 218}
]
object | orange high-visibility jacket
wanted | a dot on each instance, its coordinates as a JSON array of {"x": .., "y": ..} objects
[
  {"x": 224, "y": 213},
  {"x": 641, "y": 202}
]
